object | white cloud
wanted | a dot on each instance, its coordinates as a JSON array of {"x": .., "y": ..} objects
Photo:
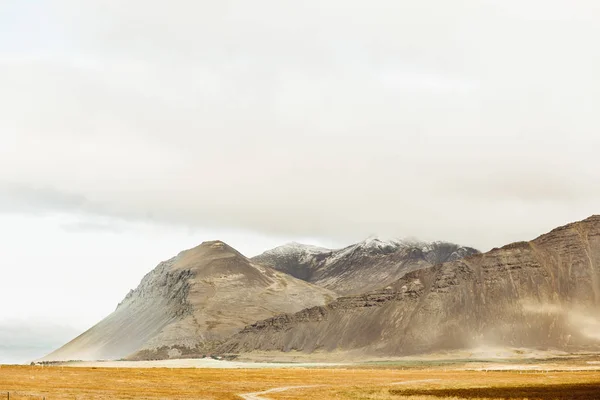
[{"x": 330, "y": 119}]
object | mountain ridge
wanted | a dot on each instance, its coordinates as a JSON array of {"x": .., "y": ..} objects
[
  {"x": 367, "y": 265},
  {"x": 543, "y": 293}
]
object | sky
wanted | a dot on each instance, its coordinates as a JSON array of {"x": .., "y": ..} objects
[{"x": 130, "y": 131}]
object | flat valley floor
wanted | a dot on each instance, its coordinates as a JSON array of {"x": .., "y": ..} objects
[{"x": 550, "y": 379}]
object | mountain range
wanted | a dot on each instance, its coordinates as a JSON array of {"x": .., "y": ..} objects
[
  {"x": 539, "y": 294},
  {"x": 374, "y": 298},
  {"x": 364, "y": 266}
]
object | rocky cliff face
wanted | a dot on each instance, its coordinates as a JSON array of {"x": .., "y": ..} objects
[
  {"x": 191, "y": 303},
  {"x": 368, "y": 265},
  {"x": 539, "y": 294}
]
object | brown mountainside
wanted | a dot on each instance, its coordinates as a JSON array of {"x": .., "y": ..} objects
[
  {"x": 540, "y": 294},
  {"x": 189, "y": 304}
]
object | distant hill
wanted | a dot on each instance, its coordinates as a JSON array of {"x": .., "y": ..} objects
[
  {"x": 539, "y": 294},
  {"x": 189, "y": 304},
  {"x": 368, "y": 265}
]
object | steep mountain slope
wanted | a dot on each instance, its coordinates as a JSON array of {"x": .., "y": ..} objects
[
  {"x": 368, "y": 265},
  {"x": 189, "y": 303},
  {"x": 540, "y": 294}
]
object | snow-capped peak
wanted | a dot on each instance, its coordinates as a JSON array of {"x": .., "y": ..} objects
[
  {"x": 378, "y": 242},
  {"x": 297, "y": 248},
  {"x": 383, "y": 242}
]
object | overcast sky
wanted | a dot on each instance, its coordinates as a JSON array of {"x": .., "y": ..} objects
[{"x": 130, "y": 130}]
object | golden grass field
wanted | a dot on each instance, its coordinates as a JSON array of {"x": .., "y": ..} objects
[{"x": 54, "y": 383}]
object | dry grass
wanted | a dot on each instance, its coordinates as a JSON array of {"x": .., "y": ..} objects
[{"x": 56, "y": 383}]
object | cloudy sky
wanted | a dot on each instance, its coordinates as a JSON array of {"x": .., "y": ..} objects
[{"x": 130, "y": 130}]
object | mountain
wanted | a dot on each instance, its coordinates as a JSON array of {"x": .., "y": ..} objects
[
  {"x": 368, "y": 265},
  {"x": 539, "y": 294},
  {"x": 190, "y": 303}
]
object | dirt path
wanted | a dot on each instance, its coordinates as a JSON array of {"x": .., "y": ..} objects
[
  {"x": 417, "y": 381},
  {"x": 259, "y": 395}
]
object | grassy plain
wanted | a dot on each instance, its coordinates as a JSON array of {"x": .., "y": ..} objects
[{"x": 377, "y": 383}]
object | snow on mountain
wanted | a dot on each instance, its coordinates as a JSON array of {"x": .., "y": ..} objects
[
  {"x": 371, "y": 263},
  {"x": 297, "y": 248}
]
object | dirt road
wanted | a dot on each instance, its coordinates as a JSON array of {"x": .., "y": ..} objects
[{"x": 260, "y": 395}]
